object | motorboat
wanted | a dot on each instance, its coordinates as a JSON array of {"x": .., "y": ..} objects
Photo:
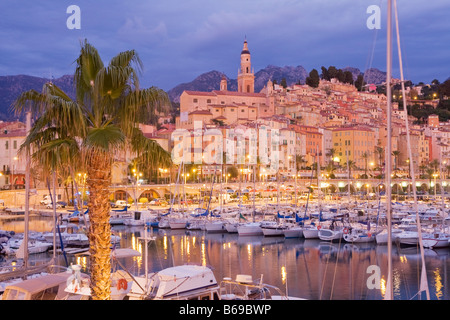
[
  {"x": 194, "y": 282},
  {"x": 43, "y": 287},
  {"x": 67, "y": 231},
  {"x": 358, "y": 235},
  {"x": 331, "y": 233},
  {"x": 245, "y": 288},
  {"x": 17, "y": 246},
  {"x": 184, "y": 282}
]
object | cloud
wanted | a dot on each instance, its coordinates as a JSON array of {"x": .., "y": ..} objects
[{"x": 136, "y": 30}]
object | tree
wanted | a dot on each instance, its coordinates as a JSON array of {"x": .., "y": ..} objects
[
  {"x": 340, "y": 76},
  {"x": 365, "y": 156},
  {"x": 348, "y": 77},
  {"x": 325, "y": 75},
  {"x": 332, "y": 72},
  {"x": 102, "y": 120},
  {"x": 283, "y": 83},
  {"x": 396, "y": 154},
  {"x": 313, "y": 80},
  {"x": 360, "y": 83}
]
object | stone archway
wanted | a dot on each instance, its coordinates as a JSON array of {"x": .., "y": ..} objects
[
  {"x": 151, "y": 194},
  {"x": 121, "y": 195}
]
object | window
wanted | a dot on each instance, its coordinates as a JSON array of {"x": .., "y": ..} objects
[
  {"x": 195, "y": 100},
  {"x": 6, "y": 145},
  {"x": 208, "y": 101},
  {"x": 15, "y": 144}
]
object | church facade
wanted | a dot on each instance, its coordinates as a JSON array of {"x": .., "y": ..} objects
[{"x": 229, "y": 107}]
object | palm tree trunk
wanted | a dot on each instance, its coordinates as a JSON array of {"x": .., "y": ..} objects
[{"x": 98, "y": 181}]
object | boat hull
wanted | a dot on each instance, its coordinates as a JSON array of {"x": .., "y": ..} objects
[
  {"x": 311, "y": 233},
  {"x": 250, "y": 230},
  {"x": 273, "y": 232},
  {"x": 293, "y": 233}
]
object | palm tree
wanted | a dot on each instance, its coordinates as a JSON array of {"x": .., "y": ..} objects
[
  {"x": 101, "y": 121},
  {"x": 365, "y": 156},
  {"x": 380, "y": 151},
  {"x": 396, "y": 154}
]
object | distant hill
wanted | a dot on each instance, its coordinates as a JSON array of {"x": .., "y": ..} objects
[
  {"x": 211, "y": 80},
  {"x": 12, "y": 86},
  {"x": 205, "y": 82}
]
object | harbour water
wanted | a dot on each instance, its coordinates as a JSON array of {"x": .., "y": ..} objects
[{"x": 307, "y": 268}]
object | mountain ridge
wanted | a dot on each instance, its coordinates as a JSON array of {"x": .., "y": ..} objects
[{"x": 12, "y": 86}]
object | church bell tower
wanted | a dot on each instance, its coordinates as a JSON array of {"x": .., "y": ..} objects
[{"x": 246, "y": 77}]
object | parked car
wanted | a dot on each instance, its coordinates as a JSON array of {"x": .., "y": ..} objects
[
  {"x": 122, "y": 203},
  {"x": 50, "y": 206},
  {"x": 158, "y": 202},
  {"x": 47, "y": 200}
]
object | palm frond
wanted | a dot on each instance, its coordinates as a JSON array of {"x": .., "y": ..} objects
[{"x": 105, "y": 139}]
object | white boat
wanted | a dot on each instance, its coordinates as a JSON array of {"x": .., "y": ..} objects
[
  {"x": 273, "y": 230},
  {"x": 293, "y": 231},
  {"x": 185, "y": 282},
  {"x": 245, "y": 288},
  {"x": 382, "y": 237},
  {"x": 215, "y": 226},
  {"x": 232, "y": 227},
  {"x": 358, "y": 235},
  {"x": 178, "y": 223},
  {"x": 16, "y": 246},
  {"x": 163, "y": 223},
  {"x": 331, "y": 234},
  {"x": 436, "y": 239},
  {"x": 311, "y": 232},
  {"x": 408, "y": 238},
  {"x": 43, "y": 287},
  {"x": 118, "y": 217},
  {"x": 196, "y": 224},
  {"x": 250, "y": 229},
  {"x": 68, "y": 232},
  {"x": 192, "y": 282},
  {"x": 133, "y": 222}
]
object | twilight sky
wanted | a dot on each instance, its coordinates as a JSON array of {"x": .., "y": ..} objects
[{"x": 177, "y": 40}]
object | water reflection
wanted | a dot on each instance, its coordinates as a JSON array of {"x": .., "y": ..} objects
[{"x": 306, "y": 268}]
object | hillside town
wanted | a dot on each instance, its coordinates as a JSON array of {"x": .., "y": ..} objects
[{"x": 333, "y": 124}]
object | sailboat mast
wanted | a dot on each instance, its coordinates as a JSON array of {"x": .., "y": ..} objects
[
  {"x": 389, "y": 288},
  {"x": 27, "y": 193},
  {"x": 423, "y": 281}
]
